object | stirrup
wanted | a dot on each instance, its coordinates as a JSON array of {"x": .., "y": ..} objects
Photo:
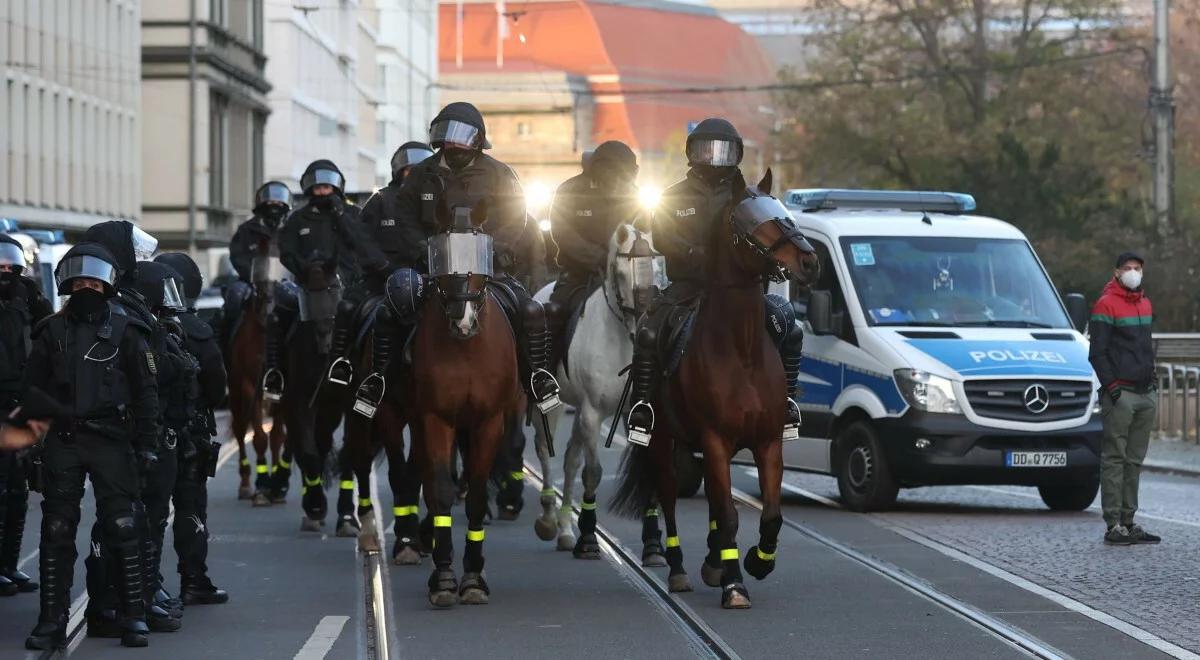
[
  {"x": 549, "y": 402},
  {"x": 268, "y": 393},
  {"x": 637, "y": 434},
  {"x": 339, "y": 379},
  {"x": 366, "y": 402},
  {"x": 791, "y": 430}
]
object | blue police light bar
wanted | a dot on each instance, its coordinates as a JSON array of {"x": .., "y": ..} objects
[
  {"x": 46, "y": 236},
  {"x": 8, "y": 225},
  {"x": 819, "y": 199}
]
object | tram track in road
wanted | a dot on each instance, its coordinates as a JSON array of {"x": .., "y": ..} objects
[
  {"x": 703, "y": 640},
  {"x": 379, "y": 641}
]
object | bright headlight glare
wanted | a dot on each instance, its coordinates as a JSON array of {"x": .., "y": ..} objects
[
  {"x": 544, "y": 224},
  {"x": 538, "y": 196},
  {"x": 649, "y": 196},
  {"x": 927, "y": 392}
]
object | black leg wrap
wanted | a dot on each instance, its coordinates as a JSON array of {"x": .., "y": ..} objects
[
  {"x": 473, "y": 557},
  {"x": 650, "y": 530},
  {"x": 730, "y": 572},
  {"x": 587, "y": 517},
  {"x": 675, "y": 560},
  {"x": 443, "y": 548}
]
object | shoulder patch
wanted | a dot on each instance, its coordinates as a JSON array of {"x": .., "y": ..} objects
[
  {"x": 427, "y": 197},
  {"x": 305, "y": 231},
  {"x": 150, "y": 363}
]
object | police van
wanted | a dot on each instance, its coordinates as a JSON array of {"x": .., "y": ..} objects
[{"x": 937, "y": 351}]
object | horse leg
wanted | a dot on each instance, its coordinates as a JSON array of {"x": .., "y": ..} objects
[
  {"x": 406, "y": 488},
  {"x": 572, "y": 458},
  {"x": 544, "y": 525},
  {"x": 587, "y": 426},
  {"x": 717, "y": 486},
  {"x": 510, "y": 498},
  {"x": 368, "y": 536},
  {"x": 485, "y": 442},
  {"x": 262, "y": 463},
  {"x": 356, "y": 434},
  {"x": 760, "y": 560},
  {"x": 438, "y": 439},
  {"x": 238, "y": 425},
  {"x": 652, "y": 550},
  {"x": 281, "y": 473}
]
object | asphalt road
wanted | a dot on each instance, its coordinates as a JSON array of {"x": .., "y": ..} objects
[{"x": 951, "y": 573}]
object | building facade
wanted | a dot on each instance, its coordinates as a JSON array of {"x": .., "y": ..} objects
[
  {"x": 69, "y": 112},
  {"x": 407, "y": 72},
  {"x": 204, "y": 115}
]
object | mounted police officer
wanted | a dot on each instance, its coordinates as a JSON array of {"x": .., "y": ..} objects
[
  {"x": 324, "y": 245},
  {"x": 250, "y": 250},
  {"x": 686, "y": 225},
  {"x": 22, "y": 305},
  {"x": 461, "y": 175},
  {"x": 93, "y": 358},
  {"x": 197, "y": 452},
  {"x": 587, "y": 209}
]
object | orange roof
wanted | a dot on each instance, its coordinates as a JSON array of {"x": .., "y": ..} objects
[{"x": 622, "y": 49}]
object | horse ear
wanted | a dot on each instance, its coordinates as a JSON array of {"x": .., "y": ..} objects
[
  {"x": 764, "y": 186},
  {"x": 479, "y": 213}
]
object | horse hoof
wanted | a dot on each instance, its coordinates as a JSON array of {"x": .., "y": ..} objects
[
  {"x": 545, "y": 529},
  {"x": 710, "y": 575},
  {"x": 654, "y": 560},
  {"x": 587, "y": 549},
  {"x": 442, "y": 599},
  {"x": 735, "y": 597},
  {"x": 309, "y": 525},
  {"x": 678, "y": 584},
  {"x": 348, "y": 527},
  {"x": 260, "y": 499},
  {"x": 368, "y": 542},
  {"x": 279, "y": 498},
  {"x": 508, "y": 514},
  {"x": 566, "y": 542},
  {"x": 245, "y": 492},
  {"x": 406, "y": 556},
  {"x": 474, "y": 590}
]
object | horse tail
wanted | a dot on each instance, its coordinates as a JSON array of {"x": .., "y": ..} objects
[{"x": 637, "y": 484}]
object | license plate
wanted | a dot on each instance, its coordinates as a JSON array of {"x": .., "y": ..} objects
[{"x": 1025, "y": 459}]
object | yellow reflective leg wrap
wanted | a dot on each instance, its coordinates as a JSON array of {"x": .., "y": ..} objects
[
  {"x": 588, "y": 506},
  {"x": 315, "y": 481},
  {"x": 651, "y": 513},
  {"x": 401, "y": 511},
  {"x": 765, "y": 556},
  {"x": 729, "y": 554},
  {"x": 475, "y": 534},
  {"x": 364, "y": 502},
  {"x": 517, "y": 475},
  {"x": 347, "y": 484},
  {"x": 712, "y": 525},
  {"x": 442, "y": 521},
  {"x": 547, "y": 492},
  {"x": 245, "y": 462},
  {"x": 260, "y": 468},
  {"x": 672, "y": 541},
  {"x": 286, "y": 465}
]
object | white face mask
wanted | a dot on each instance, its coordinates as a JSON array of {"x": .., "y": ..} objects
[{"x": 1132, "y": 279}]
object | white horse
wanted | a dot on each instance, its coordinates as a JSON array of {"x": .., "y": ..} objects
[{"x": 601, "y": 348}]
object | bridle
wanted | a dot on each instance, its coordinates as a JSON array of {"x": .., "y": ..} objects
[{"x": 757, "y": 210}]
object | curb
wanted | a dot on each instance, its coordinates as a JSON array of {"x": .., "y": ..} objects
[{"x": 1163, "y": 467}]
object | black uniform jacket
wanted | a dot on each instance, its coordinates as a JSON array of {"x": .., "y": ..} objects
[
  {"x": 582, "y": 221},
  {"x": 689, "y": 221}
]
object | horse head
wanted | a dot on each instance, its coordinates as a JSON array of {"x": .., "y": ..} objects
[
  {"x": 636, "y": 273},
  {"x": 460, "y": 265},
  {"x": 765, "y": 226}
]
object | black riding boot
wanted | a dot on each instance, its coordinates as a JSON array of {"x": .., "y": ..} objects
[
  {"x": 7, "y": 586},
  {"x": 272, "y": 377},
  {"x": 374, "y": 386},
  {"x": 341, "y": 372},
  {"x": 543, "y": 387},
  {"x": 13, "y": 533},
  {"x": 134, "y": 630},
  {"x": 199, "y": 590},
  {"x": 51, "y": 629},
  {"x": 790, "y": 352},
  {"x": 644, "y": 375}
]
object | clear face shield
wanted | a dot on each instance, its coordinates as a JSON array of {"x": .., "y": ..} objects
[
  {"x": 647, "y": 274},
  {"x": 461, "y": 253},
  {"x": 717, "y": 153},
  {"x": 80, "y": 266},
  {"x": 144, "y": 244},
  {"x": 753, "y": 215},
  {"x": 452, "y": 133},
  {"x": 409, "y": 157},
  {"x": 172, "y": 299},
  {"x": 324, "y": 177},
  {"x": 12, "y": 256},
  {"x": 274, "y": 193}
]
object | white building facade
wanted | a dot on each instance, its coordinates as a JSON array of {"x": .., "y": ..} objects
[
  {"x": 70, "y": 102},
  {"x": 408, "y": 68}
]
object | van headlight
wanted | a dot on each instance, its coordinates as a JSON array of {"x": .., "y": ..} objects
[{"x": 927, "y": 392}]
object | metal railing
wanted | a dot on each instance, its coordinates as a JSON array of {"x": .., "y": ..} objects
[{"x": 1179, "y": 400}]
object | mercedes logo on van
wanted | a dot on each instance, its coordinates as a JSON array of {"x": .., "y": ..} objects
[{"x": 1036, "y": 398}]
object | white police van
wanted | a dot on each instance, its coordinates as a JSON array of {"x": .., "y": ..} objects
[{"x": 937, "y": 351}]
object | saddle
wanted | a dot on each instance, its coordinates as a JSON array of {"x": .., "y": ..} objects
[
  {"x": 364, "y": 319},
  {"x": 675, "y": 333}
]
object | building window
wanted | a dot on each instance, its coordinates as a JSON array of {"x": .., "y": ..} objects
[
  {"x": 524, "y": 129},
  {"x": 256, "y": 19},
  {"x": 218, "y": 150},
  {"x": 259, "y": 131},
  {"x": 218, "y": 12},
  {"x": 381, "y": 133},
  {"x": 326, "y": 126},
  {"x": 382, "y": 82}
]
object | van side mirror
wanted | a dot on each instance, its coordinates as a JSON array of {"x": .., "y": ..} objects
[
  {"x": 1077, "y": 309},
  {"x": 820, "y": 312}
]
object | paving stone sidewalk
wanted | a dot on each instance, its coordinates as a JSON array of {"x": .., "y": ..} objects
[{"x": 1173, "y": 455}]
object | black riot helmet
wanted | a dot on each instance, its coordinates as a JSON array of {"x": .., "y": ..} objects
[
  {"x": 273, "y": 193},
  {"x": 189, "y": 272},
  {"x": 156, "y": 284},
  {"x": 459, "y": 125},
  {"x": 124, "y": 241},
  {"x": 613, "y": 161},
  {"x": 322, "y": 171},
  {"x": 409, "y": 154},
  {"x": 87, "y": 260},
  {"x": 12, "y": 253},
  {"x": 714, "y": 143}
]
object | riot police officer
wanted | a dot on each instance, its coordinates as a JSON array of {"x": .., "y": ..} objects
[
  {"x": 686, "y": 225},
  {"x": 95, "y": 360},
  {"x": 22, "y": 305},
  {"x": 253, "y": 243},
  {"x": 197, "y": 452},
  {"x": 461, "y": 175},
  {"x": 324, "y": 242}
]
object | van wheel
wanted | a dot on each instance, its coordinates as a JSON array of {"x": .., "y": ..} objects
[
  {"x": 1071, "y": 495},
  {"x": 689, "y": 472},
  {"x": 864, "y": 477}
]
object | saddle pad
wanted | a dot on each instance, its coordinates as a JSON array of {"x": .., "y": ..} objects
[{"x": 577, "y": 301}]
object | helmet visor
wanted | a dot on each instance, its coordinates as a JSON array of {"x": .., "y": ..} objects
[
  {"x": 12, "y": 255},
  {"x": 276, "y": 193},
  {"x": 144, "y": 244},
  {"x": 324, "y": 177},
  {"x": 454, "y": 133},
  {"x": 84, "y": 265},
  {"x": 717, "y": 153},
  {"x": 171, "y": 298},
  {"x": 409, "y": 157}
]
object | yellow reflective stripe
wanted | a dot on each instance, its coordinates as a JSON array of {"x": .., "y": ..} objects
[
  {"x": 347, "y": 484},
  {"x": 546, "y": 492},
  {"x": 475, "y": 534},
  {"x": 651, "y": 513},
  {"x": 765, "y": 556},
  {"x": 588, "y": 506},
  {"x": 245, "y": 461},
  {"x": 260, "y": 468},
  {"x": 285, "y": 464},
  {"x": 316, "y": 481},
  {"x": 517, "y": 475},
  {"x": 712, "y": 525},
  {"x": 364, "y": 502},
  {"x": 401, "y": 511},
  {"x": 304, "y": 490},
  {"x": 441, "y": 521},
  {"x": 729, "y": 554},
  {"x": 672, "y": 541}
]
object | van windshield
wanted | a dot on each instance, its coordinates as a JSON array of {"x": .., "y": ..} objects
[{"x": 954, "y": 282}]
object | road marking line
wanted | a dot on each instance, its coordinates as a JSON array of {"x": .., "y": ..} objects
[
  {"x": 1143, "y": 636},
  {"x": 322, "y": 638}
]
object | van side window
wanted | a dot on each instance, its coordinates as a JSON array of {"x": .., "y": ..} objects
[{"x": 828, "y": 281}]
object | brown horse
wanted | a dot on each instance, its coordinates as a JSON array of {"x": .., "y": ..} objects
[
  {"x": 464, "y": 377},
  {"x": 727, "y": 394},
  {"x": 244, "y": 368}
]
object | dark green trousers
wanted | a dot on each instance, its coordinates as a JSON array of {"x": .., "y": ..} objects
[{"x": 1127, "y": 426}]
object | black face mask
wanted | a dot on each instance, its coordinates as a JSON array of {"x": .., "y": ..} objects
[
  {"x": 86, "y": 302},
  {"x": 7, "y": 278},
  {"x": 714, "y": 175},
  {"x": 323, "y": 202},
  {"x": 458, "y": 159},
  {"x": 273, "y": 216}
]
